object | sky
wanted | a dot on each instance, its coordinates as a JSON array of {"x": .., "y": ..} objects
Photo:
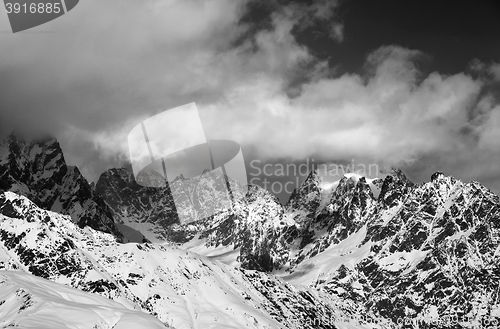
[{"x": 414, "y": 85}]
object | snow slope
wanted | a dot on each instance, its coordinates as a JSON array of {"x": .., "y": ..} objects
[{"x": 27, "y": 301}]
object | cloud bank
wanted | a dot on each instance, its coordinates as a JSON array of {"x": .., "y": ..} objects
[{"x": 110, "y": 65}]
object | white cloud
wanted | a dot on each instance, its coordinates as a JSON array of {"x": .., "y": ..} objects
[
  {"x": 495, "y": 71},
  {"x": 106, "y": 70},
  {"x": 388, "y": 116},
  {"x": 490, "y": 134},
  {"x": 337, "y": 32},
  {"x": 491, "y": 69}
]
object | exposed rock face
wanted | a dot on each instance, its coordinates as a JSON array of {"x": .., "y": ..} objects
[
  {"x": 37, "y": 170},
  {"x": 147, "y": 209},
  {"x": 394, "y": 187},
  {"x": 305, "y": 199}
]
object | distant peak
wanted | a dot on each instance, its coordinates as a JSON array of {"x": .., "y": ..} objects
[
  {"x": 353, "y": 176},
  {"x": 179, "y": 178},
  {"x": 398, "y": 174},
  {"x": 311, "y": 182},
  {"x": 313, "y": 175},
  {"x": 437, "y": 175}
]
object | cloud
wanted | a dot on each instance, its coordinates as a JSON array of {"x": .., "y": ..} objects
[
  {"x": 495, "y": 71},
  {"x": 490, "y": 70},
  {"x": 337, "y": 32},
  {"x": 110, "y": 65},
  {"x": 387, "y": 114},
  {"x": 321, "y": 14},
  {"x": 391, "y": 114}
]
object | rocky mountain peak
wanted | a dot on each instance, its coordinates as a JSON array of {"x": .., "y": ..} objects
[
  {"x": 36, "y": 168},
  {"x": 394, "y": 187},
  {"x": 399, "y": 174},
  {"x": 313, "y": 176},
  {"x": 31, "y": 165},
  {"x": 180, "y": 178},
  {"x": 363, "y": 188},
  {"x": 436, "y": 176},
  {"x": 307, "y": 195}
]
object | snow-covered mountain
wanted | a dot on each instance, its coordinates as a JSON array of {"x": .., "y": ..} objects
[
  {"x": 421, "y": 253},
  {"x": 147, "y": 209},
  {"x": 431, "y": 250},
  {"x": 381, "y": 253},
  {"x": 36, "y": 168},
  {"x": 178, "y": 287},
  {"x": 246, "y": 227},
  {"x": 258, "y": 232},
  {"x": 405, "y": 251}
]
